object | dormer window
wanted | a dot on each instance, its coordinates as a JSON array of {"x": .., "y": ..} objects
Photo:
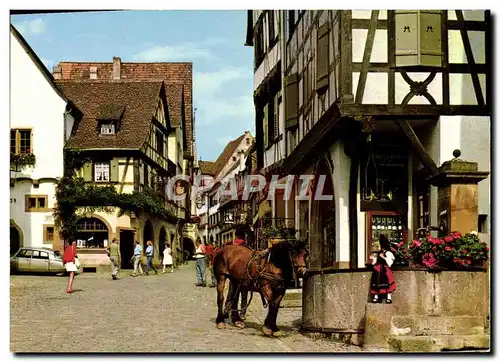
[
  {"x": 109, "y": 118},
  {"x": 107, "y": 128}
]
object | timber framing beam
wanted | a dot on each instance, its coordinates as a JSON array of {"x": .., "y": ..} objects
[
  {"x": 417, "y": 146},
  {"x": 412, "y": 111}
]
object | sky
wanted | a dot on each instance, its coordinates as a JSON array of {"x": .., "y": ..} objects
[{"x": 212, "y": 40}]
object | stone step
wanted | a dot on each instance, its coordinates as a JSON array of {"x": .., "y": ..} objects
[
  {"x": 435, "y": 325},
  {"x": 292, "y": 299},
  {"x": 438, "y": 343}
]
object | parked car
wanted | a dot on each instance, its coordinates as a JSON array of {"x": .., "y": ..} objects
[{"x": 37, "y": 260}]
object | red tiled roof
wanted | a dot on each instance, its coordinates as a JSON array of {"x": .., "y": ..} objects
[
  {"x": 228, "y": 151},
  {"x": 171, "y": 73},
  {"x": 138, "y": 99},
  {"x": 175, "y": 104},
  {"x": 207, "y": 167}
]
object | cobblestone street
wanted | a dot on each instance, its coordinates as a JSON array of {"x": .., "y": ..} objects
[{"x": 156, "y": 313}]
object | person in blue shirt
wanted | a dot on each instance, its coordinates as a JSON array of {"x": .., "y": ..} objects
[
  {"x": 149, "y": 258},
  {"x": 137, "y": 259}
]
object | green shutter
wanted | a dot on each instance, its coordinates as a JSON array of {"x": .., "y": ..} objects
[
  {"x": 266, "y": 125},
  {"x": 87, "y": 171},
  {"x": 113, "y": 170},
  {"x": 291, "y": 100},
  {"x": 322, "y": 59}
]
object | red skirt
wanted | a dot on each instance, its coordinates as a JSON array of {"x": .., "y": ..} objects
[{"x": 382, "y": 281}]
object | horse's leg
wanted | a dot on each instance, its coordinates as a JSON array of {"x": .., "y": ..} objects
[
  {"x": 266, "y": 291},
  {"x": 229, "y": 298},
  {"x": 221, "y": 281},
  {"x": 274, "y": 313},
  {"x": 235, "y": 315}
]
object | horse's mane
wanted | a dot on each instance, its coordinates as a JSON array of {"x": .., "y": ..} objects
[{"x": 281, "y": 258}]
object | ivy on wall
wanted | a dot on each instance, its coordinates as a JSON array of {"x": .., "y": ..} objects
[{"x": 73, "y": 193}]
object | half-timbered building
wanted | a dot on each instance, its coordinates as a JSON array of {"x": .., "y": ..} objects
[
  {"x": 129, "y": 130},
  {"x": 377, "y": 101}
]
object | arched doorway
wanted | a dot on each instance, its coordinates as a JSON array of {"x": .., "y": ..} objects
[
  {"x": 323, "y": 244},
  {"x": 16, "y": 239},
  {"x": 188, "y": 245},
  {"x": 162, "y": 240},
  {"x": 92, "y": 232},
  {"x": 148, "y": 233}
]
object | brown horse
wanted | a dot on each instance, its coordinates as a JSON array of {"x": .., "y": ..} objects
[{"x": 259, "y": 271}]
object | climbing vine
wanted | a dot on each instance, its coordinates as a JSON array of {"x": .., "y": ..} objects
[{"x": 73, "y": 194}]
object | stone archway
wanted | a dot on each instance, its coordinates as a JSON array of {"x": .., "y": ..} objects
[
  {"x": 16, "y": 238},
  {"x": 323, "y": 230},
  {"x": 188, "y": 245},
  {"x": 162, "y": 241},
  {"x": 148, "y": 234}
]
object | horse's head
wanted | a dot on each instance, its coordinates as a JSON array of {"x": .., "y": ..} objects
[{"x": 298, "y": 257}]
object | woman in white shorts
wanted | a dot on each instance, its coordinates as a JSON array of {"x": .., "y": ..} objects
[{"x": 70, "y": 260}]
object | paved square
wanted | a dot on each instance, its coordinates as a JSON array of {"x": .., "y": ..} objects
[{"x": 155, "y": 313}]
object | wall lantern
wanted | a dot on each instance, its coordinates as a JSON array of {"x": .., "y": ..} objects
[{"x": 418, "y": 38}]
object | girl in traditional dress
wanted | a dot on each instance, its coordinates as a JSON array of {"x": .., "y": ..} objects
[
  {"x": 167, "y": 259},
  {"x": 382, "y": 281}
]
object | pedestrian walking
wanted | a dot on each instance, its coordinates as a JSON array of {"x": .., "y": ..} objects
[
  {"x": 115, "y": 258},
  {"x": 201, "y": 263},
  {"x": 149, "y": 258},
  {"x": 137, "y": 259},
  {"x": 167, "y": 259},
  {"x": 210, "y": 251},
  {"x": 70, "y": 261}
]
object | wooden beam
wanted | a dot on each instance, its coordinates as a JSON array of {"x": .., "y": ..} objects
[
  {"x": 391, "y": 57},
  {"x": 470, "y": 57},
  {"x": 445, "y": 60},
  {"x": 370, "y": 38},
  {"x": 412, "y": 111},
  {"x": 346, "y": 95},
  {"x": 471, "y": 25},
  {"x": 365, "y": 23},
  {"x": 417, "y": 146},
  {"x": 451, "y": 68}
]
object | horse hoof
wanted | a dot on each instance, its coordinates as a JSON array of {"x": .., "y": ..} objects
[
  {"x": 221, "y": 325},
  {"x": 278, "y": 334},
  {"x": 267, "y": 332},
  {"x": 239, "y": 324}
]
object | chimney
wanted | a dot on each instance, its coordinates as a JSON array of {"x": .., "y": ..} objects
[
  {"x": 93, "y": 72},
  {"x": 57, "y": 72},
  {"x": 117, "y": 65}
]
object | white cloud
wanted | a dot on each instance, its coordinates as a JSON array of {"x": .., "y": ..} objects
[
  {"x": 186, "y": 52},
  {"x": 207, "y": 84},
  {"x": 35, "y": 27},
  {"x": 212, "y": 111}
]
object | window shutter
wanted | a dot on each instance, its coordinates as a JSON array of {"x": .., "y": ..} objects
[
  {"x": 265, "y": 126},
  {"x": 113, "y": 170},
  {"x": 322, "y": 59},
  {"x": 276, "y": 116},
  {"x": 87, "y": 171},
  {"x": 291, "y": 100}
]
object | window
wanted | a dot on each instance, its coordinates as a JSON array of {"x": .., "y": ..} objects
[
  {"x": 482, "y": 225},
  {"x": 234, "y": 158},
  {"x": 25, "y": 253},
  {"x": 248, "y": 141},
  {"x": 259, "y": 44},
  {"x": 48, "y": 234},
  {"x": 270, "y": 23},
  {"x": 20, "y": 141},
  {"x": 107, "y": 128},
  {"x": 101, "y": 171},
  {"x": 40, "y": 254},
  {"x": 36, "y": 203},
  {"x": 160, "y": 143}
]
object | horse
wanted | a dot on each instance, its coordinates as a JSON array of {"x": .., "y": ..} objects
[{"x": 265, "y": 272}]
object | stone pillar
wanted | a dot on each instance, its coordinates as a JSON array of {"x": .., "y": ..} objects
[{"x": 458, "y": 194}]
